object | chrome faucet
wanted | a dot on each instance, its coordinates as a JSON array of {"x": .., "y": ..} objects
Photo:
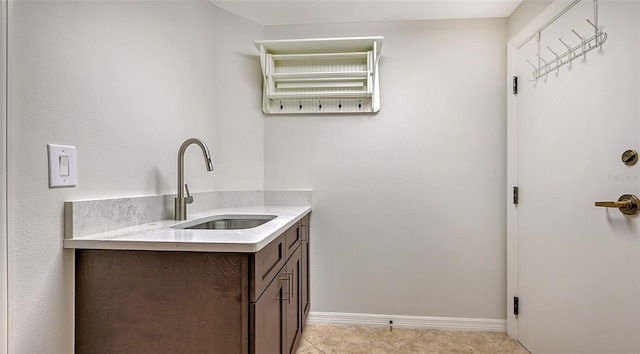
[{"x": 181, "y": 200}]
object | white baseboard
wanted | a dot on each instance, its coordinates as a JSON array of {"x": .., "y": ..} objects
[{"x": 419, "y": 322}]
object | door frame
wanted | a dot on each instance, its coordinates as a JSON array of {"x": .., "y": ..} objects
[
  {"x": 4, "y": 137},
  {"x": 547, "y": 16}
]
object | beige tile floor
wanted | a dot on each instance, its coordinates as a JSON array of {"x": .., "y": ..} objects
[{"x": 331, "y": 339}]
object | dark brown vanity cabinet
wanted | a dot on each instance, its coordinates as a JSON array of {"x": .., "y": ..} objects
[{"x": 177, "y": 302}]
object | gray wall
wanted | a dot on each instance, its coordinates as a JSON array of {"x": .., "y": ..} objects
[
  {"x": 125, "y": 82},
  {"x": 409, "y": 215}
]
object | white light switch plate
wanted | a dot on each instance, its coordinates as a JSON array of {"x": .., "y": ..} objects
[{"x": 62, "y": 166}]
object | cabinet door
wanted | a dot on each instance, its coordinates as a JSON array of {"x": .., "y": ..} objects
[
  {"x": 293, "y": 302},
  {"x": 304, "y": 275},
  {"x": 268, "y": 318}
]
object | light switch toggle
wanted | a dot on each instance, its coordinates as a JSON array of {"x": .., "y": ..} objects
[{"x": 62, "y": 166}]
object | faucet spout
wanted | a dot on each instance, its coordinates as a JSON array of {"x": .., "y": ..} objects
[{"x": 181, "y": 201}]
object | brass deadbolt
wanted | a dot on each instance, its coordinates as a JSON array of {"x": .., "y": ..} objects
[
  {"x": 627, "y": 204},
  {"x": 630, "y": 157}
]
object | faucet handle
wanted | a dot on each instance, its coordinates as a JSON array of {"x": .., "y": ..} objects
[{"x": 189, "y": 198}]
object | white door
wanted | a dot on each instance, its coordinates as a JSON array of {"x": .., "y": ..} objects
[{"x": 578, "y": 269}]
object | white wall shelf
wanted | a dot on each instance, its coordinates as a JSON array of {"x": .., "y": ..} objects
[{"x": 323, "y": 75}]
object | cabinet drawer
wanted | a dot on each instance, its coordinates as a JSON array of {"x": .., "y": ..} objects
[
  {"x": 292, "y": 239},
  {"x": 265, "y": 264}
]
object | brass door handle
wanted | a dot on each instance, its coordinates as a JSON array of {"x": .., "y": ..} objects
[
  {"x": 627, "y": 204},
  {"x": 623, "y": 204}
]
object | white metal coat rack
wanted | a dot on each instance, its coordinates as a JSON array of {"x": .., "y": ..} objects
[
  {"x": 546, "y": 66},
  {"x": 320, "y": 75}
]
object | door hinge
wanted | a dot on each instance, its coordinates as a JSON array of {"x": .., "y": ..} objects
[
  {"x": 515, "y": 85},
  {"x": 515, "y": 305},
  {"x": 515, "y": 195}
]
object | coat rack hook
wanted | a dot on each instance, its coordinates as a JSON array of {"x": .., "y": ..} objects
[
  {"x": 576, "y": 33},
  {"x": 565, "y": 44},
  {"x": 281, "y": 106},
  {"x": 581, "y": 39},
  {"x": 558, "y": 62},
  {"x": 601, "y": 38},
  {"x": 300, "y": 104},
  {"x": 319, "y": 104},
  {"x": 546, "y": 65},
  {"x": 339, "y": 104},
  {"x": 569, "y": 53}
]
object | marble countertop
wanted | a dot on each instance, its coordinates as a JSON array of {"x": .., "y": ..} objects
[{"x": 159, "y": 236}]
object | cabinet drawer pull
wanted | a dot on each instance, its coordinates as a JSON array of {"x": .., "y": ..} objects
[
  {"x": 289, "y": 278},
  {"x": 293, "y": 279}
]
